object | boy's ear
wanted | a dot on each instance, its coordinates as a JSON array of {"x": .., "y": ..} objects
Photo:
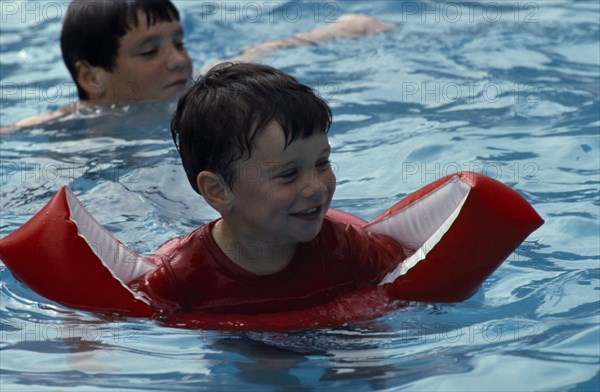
[
  {"x": 88, "y": 78},
  {"x": 215, "y": 191}
]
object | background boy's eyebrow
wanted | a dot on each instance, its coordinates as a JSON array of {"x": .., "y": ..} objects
[{"x": 154, "y": 38}]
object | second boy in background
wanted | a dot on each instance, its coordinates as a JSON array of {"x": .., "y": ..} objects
[{"x": 119, "y": 51}]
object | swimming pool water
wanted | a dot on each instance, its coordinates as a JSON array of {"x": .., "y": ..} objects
[{"x": 507, "y": 88}]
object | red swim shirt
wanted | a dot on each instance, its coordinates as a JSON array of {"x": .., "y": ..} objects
[{"x": 197, "y": 275}]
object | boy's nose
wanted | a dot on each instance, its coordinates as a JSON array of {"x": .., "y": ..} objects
[
  {"x": 314, "y": 188},
  {"x": 177, "y": 59}
]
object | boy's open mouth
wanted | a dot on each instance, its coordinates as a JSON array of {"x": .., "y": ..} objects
[{"x": 309, "y": 213}]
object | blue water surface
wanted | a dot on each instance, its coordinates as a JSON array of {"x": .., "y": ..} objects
[{"x": 510, "y": 89}]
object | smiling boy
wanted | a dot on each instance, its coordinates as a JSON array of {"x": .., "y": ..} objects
[{"x": 253, "y": 142}]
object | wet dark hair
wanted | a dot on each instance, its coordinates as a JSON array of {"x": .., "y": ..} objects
[
  {"x": 218, "y": 118},
  {"x": 92, "y": 30}
]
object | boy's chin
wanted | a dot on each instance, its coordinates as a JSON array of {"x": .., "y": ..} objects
[{"x": 309, "y": 236}]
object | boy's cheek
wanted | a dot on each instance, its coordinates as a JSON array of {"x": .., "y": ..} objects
[
  {"x": 332, "y": 177},
  {"x": 331, "y": 183}
]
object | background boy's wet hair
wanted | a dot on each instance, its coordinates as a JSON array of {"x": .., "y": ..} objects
[
  {"x": 218, "y": 118},
  {"x": 92, "y": 30}
]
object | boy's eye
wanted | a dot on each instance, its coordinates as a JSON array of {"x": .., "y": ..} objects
[
  {"x": 288, "y": 175},
  {"x": 324, "y": 164},
  {"x": 149, "y": 52}
]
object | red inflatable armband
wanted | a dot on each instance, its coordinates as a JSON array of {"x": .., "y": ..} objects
[
  {"x": 462, "y": 226},
  {"x": 63, "y": 254}
]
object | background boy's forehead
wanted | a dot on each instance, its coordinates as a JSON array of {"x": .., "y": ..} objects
[
  {"x": 148, "y": 14},
  {"x": 141, "y": 36}
]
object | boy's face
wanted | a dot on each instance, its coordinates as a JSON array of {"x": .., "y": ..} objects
[
  {"x": 151, "y": 63},
  {"x": 281, "y": 195}
]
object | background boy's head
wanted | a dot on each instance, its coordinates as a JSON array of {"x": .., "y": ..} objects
[
  {"x": 91, "y": 38},
  {"x": 218, "y": 118}
]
